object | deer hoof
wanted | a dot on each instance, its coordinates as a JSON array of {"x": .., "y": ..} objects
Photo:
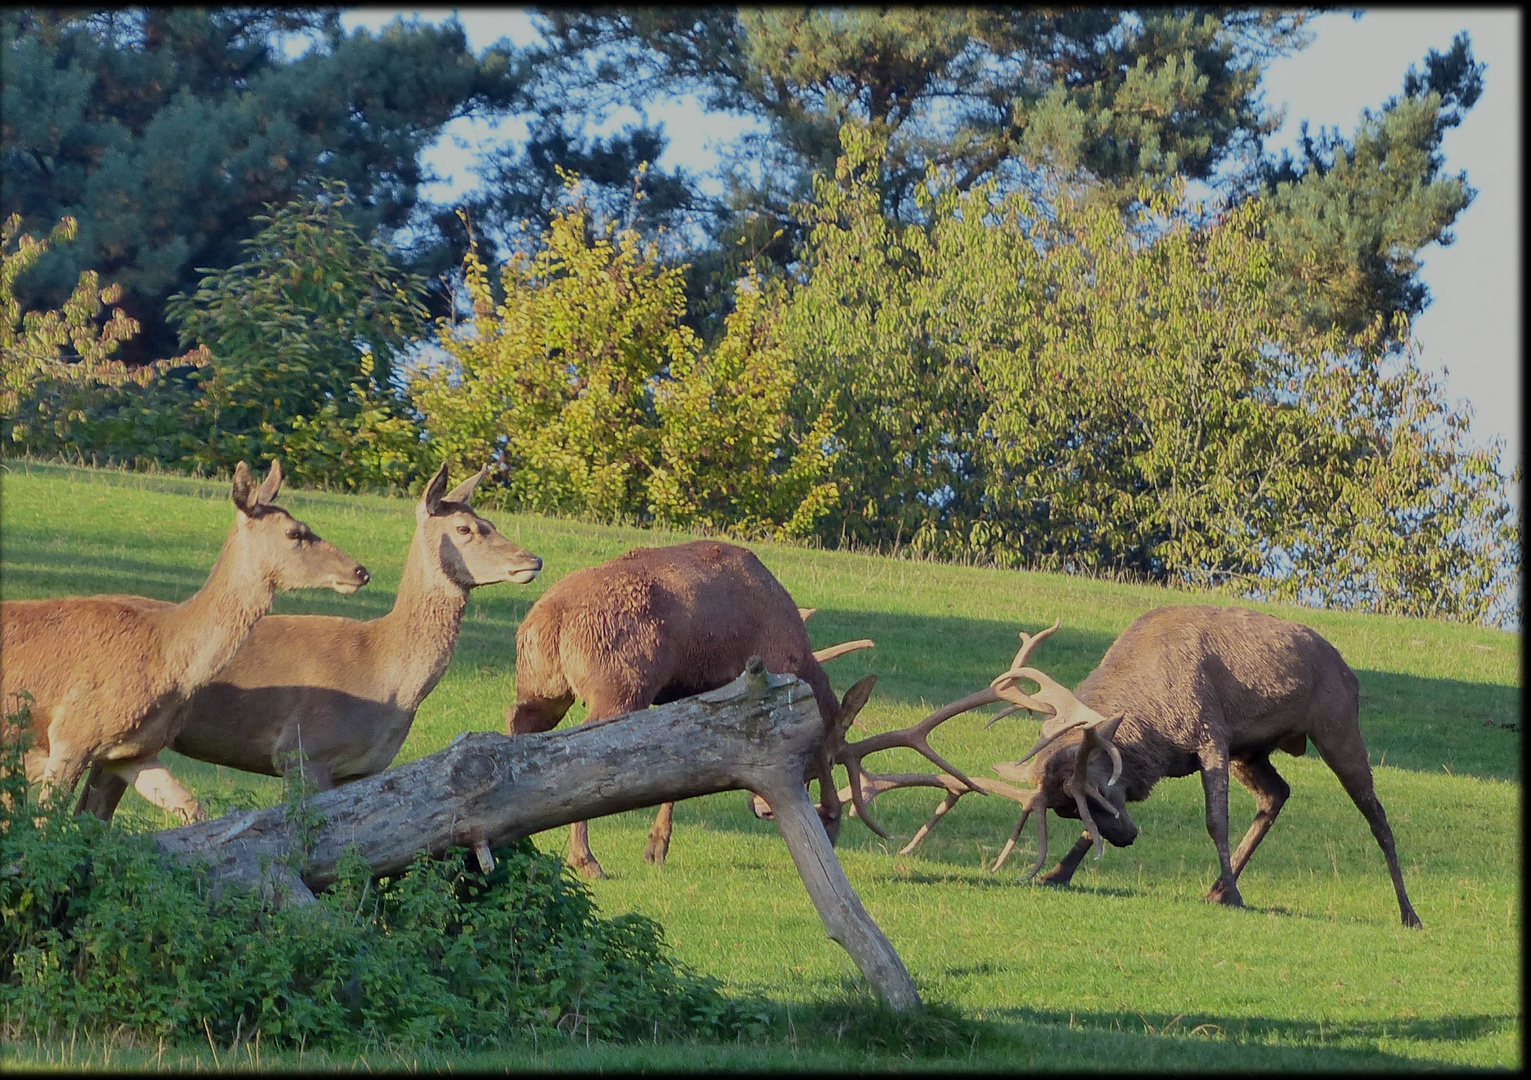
[
  {"x": 591, "y": 870},
  {"x": 1411, "y": 920},
  {"x": 655, "y": 853},
  {"x": 1228, "y": 896}
]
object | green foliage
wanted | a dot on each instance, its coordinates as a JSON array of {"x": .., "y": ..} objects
[
  {"x": 587, "y": 385},
  {"x": 165, "y": 131},
  {"x": 726, "y": 457},
  {"x": 1022, "y": 96},
  {"x": 100, "y": 930},
  {"x": 1349, "y": 218},
  {"x": 53, "y": 359},
  {"x": 304, "y": 335},
  {"x": 1066, "y": 390}
]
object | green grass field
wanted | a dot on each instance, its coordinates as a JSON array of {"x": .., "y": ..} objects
[{"x": 1129, "y": 969}]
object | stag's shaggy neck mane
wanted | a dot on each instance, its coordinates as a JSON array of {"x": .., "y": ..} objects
[
  {"x": 202, "y": 634},
  {"x": 1145, "y": 753},
  {"x": 420, "y": 633}
]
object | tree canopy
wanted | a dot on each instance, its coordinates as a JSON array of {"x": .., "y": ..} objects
[{"x": 165, "y": 131}]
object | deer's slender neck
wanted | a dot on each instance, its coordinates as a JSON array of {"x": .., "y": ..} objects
[
  {"x": 420, "y": 633},
  {"x": 202, "y": 634}
]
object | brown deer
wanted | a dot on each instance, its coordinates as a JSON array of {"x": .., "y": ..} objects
[
  {"x": 343, "y": 692},
  {"x": 1183, "y": 690},
  {"x": 107, "y": 674},
  {"x": 655, "y": 625}
]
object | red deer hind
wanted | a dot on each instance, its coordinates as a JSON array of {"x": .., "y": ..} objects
[
  {"x": 345, "y": 691},
  {"x": 655, "y": 625},
  {"x": 108, "y": 674}
]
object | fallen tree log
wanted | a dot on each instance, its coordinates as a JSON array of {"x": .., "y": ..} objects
[{"x": 757, "y": 734}]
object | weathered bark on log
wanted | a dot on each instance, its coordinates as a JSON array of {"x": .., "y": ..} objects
[{"x": 757, "y": 733}]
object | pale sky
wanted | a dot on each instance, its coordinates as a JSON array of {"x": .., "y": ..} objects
[{"x": 1471, "y": 329}]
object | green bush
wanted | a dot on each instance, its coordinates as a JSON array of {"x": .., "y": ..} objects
[{"x": 100, "y": 930}]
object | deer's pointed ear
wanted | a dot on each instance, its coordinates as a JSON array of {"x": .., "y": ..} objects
[
  {"x": 244, "y": 488},
  {"x": 854, "y": 700},
  {"x": 464, "y": 491},
  {"x": 271, "y": 485},
  {"x": 804, "y": 612},
  {"x": 430, "y": 498}
]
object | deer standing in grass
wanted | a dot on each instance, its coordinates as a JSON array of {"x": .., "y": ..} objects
[
  {"x": 655, "y": 625},
  {"x": 108, "y": 674},
  {"x": 1209, "y": 690},
  {"x": 344, "y": 692}
]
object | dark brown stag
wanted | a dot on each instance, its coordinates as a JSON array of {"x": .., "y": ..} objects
[
  {"x": 659, "y": 624},
  {"x": 1186, "y": 689}
]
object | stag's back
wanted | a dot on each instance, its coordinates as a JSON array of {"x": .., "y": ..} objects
[
  {"x": 674, "y": 621},
  {"x": 1179, "y": 669}
]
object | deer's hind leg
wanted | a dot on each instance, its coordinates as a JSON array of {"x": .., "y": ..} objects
[
  {"x": 602, "y": 706},
  {"x": 1270, "y": 792},
  {"x": 103, "y": 791},
  {"x": 155, "y": 783},
  {"x": 1345, "y": 754},
  {"x": 659, "y": 835}
]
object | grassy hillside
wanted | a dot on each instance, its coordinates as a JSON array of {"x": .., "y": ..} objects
[{"x": 1129, "y": 968}]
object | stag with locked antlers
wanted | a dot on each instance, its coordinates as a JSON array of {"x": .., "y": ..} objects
[{"x": 1184, "y": 689}]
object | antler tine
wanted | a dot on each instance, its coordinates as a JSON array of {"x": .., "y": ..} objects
[
  {"x": 916, "y": 738},
  {"x": 1031, "y": 641},
  {"x": 1036, "y": 867},
  {"x": 1079, "y": 786}
]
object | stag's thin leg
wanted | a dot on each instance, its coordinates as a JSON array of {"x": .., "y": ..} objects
[
  {"x": 659, "y": 836},
  {"x": 1349, "y": 762},
  {"x": 1063, "y": 873},
  {"x": 1270, "y": 792},
  {"x": 1214, "y": 783}
]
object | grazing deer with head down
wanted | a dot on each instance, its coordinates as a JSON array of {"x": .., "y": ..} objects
[
  {"x": 1189, "y": 689},
  {"x": 343, "y": 692},
  {"x": 108, "y": 674},
  {"x": 655, "y": 625}
]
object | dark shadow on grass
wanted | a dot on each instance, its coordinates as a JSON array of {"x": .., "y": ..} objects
[{"x": 1311, "y": 1033}]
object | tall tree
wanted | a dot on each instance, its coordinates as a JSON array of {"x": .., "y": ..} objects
[
  {"x": 164, "y": 131},
  {"x": 1020, "y": 93},
  {"x": 1350, "y": 216}
]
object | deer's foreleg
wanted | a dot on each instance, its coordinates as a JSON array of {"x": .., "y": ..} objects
[
  {"x": 1214, "y": 783},
  {"x": 1063, "y": 873}
]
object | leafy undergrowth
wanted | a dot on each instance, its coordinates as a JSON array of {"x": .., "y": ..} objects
[{"x": 99, "y": 927}]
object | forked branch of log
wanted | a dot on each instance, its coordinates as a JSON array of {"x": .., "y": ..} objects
[{"x": 758, "y": 733}]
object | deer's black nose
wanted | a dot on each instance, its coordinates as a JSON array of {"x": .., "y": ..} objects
[
  {"x": 362, "y": 575},
  {"x": 536, "y": 562}
]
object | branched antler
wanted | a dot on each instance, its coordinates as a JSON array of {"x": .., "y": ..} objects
[{"x": 1064, "y": 713}]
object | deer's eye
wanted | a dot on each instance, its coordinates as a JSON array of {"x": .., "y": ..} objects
[
  {"x": 294, "y": 533},
  {"x": 464, "y": 529}
]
